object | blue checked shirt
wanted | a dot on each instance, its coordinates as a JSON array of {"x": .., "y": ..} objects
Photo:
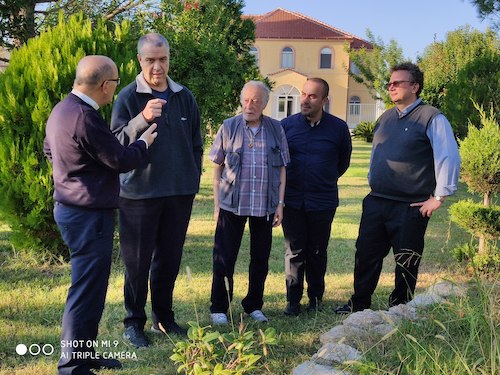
[{"x": 254, "y": 176}]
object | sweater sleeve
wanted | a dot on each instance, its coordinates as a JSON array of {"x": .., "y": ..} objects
[{"x": 127, "y": 122}]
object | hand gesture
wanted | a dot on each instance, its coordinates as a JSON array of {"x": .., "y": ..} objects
[
  {"x": 153, "y": 109},
  {"x": 149, "y": 135}
]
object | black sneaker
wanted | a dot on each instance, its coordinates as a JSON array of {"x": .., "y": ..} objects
[
  {"x": 346, "y": 309},
  {"x": 315, "y": 305},
  {"x": 136, "y": 336},
  {"x": 292, "y": 309},
  {"x": 167, "y": 328}
]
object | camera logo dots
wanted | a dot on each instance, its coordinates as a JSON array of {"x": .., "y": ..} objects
[{"x": 35, "y": 349}]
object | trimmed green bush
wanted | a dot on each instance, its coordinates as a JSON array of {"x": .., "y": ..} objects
[
  {"x": 39, "y": 75},
  {"x": 364, "y": 131},
  {"x": 477, "y": 219}
]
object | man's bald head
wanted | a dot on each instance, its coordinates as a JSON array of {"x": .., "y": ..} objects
[{"x": 93, "y": 70}]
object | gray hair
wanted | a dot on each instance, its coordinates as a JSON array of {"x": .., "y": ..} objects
[
  {"x": 155, "y": 39},
  {"x": 259, "y": 84}
]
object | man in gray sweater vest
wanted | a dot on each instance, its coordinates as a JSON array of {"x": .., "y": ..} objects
[{"x": 414, "y": 166}]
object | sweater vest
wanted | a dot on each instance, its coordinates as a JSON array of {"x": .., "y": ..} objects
[{"x": 402, "y": 165}]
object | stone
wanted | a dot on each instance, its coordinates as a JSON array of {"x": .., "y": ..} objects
[
  {"x": 383, "y": 329},
  {"x": 447, "y": 289},
  {"x": 311, "y": 368},
  {"x": 425, "y": 299},
  {"x": 364, "y": 319},
  {"x": 404, "y": 311},
  {"x": 344, "y": 334},
  {"x": 329, "y": 354}
]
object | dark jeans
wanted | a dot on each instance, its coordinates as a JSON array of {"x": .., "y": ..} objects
[
  {"x": 306, "y": 240},
  {"x": 152, "y": 234},
  {"x": 384, "y": 224},
  {"x": 227, "y": 243},
  {"x": 89, "y": 235}
]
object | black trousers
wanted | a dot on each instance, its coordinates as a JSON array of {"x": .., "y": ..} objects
[
  {"x": 306, "y": 240},
  {"x": 227, "y": 243},
  {"x": 384, "y": 224},
  {"x": 152, "y": 235},
  {"x": 89, "y": 235}
]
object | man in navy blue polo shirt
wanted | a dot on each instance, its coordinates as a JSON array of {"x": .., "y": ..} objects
[{"x": 320, "y": 152}]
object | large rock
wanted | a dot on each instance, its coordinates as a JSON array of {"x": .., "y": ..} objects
[
  {"x": 330, "y": 354},
  {"x": 344, "y": 334},
  {"x": 425, "y": 299},
  {"x": 364, "y": 319},
  {"x": 447, "y": 289},
  {"x": 311, "y": 368},
  {"x": 404, "y": 311}
]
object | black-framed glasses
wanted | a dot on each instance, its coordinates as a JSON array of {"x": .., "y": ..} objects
[
  {"x": 396, "y": 84},
  {"x": 117, "y": 80}
]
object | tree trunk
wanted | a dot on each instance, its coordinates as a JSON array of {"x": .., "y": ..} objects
[
  {"x": 482, "y": 241},
  {"x": 27, "y": 13}
]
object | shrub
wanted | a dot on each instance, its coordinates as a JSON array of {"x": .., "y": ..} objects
[
  {"x": 364, "y": 131},
  {"x": 212, "y": 353},
  {"x": 476, "y": 218},
  {"x": 480, "y": 153},
  {"x": 39, "y": 75}
]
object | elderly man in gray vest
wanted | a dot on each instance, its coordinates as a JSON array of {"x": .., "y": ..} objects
[
  {"x": 414, "y": 166},
  {"x": 250, "y": 152}
]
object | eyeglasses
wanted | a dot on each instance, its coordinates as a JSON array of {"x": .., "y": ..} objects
[
  {"x": 396, "y": 84},
  {"x": 117, "y": 80}
]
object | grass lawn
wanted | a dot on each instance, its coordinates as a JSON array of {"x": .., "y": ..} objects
[{"x": 33, "y": 295}]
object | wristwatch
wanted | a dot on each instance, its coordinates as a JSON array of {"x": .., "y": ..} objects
[{"x": 439, "y": 198}]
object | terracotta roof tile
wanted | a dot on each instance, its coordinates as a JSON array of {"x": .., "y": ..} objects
[{"x": 284, "y": 24}]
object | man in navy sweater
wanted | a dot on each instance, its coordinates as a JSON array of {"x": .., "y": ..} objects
[
  {"x": 86, "y": 161},
  {"x": 320, "y": 152},
  {"x": 156, "y": 201}
]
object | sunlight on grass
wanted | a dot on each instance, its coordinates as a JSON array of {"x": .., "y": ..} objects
[{"x": 33, "y": 295}]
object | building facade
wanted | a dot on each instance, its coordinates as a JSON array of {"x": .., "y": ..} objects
[{"x": 290, "y": 47}]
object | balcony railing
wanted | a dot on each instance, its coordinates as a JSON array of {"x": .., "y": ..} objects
[{"x": 357, "y": 113}]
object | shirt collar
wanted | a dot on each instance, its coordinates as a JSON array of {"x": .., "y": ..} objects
[
  {"x": 143, "y": 87},
  {"x": 87, "y": 99},
  {"x": 408, "y": 109}
]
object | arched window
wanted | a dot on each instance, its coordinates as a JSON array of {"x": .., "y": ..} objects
[
  {"x": 354, "y": 106},
  {"x": 287, "y": 57},
  {"x": 255, "y": 53},
  {"x": 325, "y": 61}
]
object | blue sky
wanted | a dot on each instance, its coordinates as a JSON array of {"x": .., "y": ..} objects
[{"x": 414, "y": 25}]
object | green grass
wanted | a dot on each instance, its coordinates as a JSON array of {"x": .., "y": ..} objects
[{"x": 33, "y": 294}]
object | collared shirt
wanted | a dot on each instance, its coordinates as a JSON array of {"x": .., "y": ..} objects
[
  {"x": 445, "y": 152},
  {"x": 87, "y": 99},
  {"x": 254, "y": 177}
]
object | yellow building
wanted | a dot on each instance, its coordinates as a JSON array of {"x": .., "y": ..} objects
[{"x": 290, "y": 47}]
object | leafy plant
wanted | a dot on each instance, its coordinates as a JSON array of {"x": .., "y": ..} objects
[
  {"x": 364, "y": 131},
  {"x": 212, "y": 353},
  {"x": 481, "y": 171}
]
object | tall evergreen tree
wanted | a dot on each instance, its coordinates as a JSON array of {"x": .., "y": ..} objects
[{"x": 39, "y": 75}]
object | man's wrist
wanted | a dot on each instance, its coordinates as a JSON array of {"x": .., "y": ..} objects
[
  {"x": 440, "y": 198},
  {"x": 280, "y": 202}
]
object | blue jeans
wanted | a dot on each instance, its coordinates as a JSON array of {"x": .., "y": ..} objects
[{"x": 89, "y": 235}]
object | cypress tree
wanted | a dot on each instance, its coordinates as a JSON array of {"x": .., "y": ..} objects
[{"x": 39, "y": 75}]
